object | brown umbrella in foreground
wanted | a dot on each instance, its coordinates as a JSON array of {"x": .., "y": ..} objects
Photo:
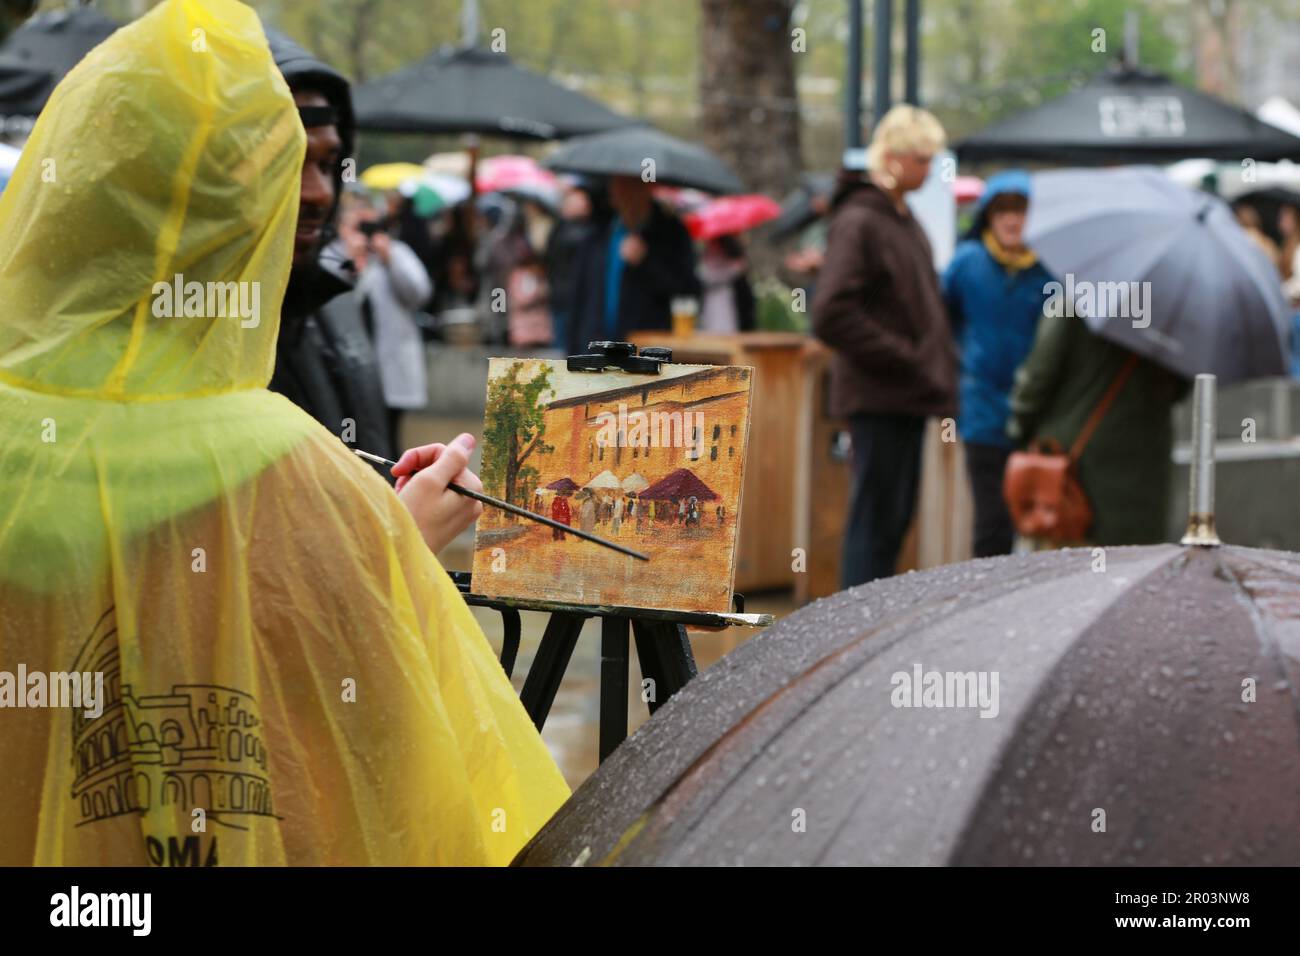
[{"x": 1140, "y": 711}]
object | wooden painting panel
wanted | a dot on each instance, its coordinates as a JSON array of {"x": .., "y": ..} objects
[{"x": 654, "y": 462}]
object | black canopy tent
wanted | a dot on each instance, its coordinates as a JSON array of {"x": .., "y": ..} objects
[
  {"x": 1129, "y": 115},
  {"x": 473, "y": 90},
  {"x": 36, "y": 56}
]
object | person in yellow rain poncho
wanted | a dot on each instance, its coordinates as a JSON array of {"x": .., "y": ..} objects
[{"x": 288, "y": 675}]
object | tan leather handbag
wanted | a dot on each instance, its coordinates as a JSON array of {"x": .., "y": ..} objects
[{"x": 1041, "y": 484}]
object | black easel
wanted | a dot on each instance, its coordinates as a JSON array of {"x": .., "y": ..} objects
[{"x": 662, "y": 647}]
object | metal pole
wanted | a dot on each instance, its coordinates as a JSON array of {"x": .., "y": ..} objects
[
  {"x": 469, "y": 21},
  {"x": 884, "y": 56},
  {"x": 1131, "y": 39},
  {"x": 853, "y": 80},
  {"x": 1200, "y": 510},
  {"x": 912, "y": 53}
]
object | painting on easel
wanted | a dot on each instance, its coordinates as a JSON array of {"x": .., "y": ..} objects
[{"x": 654, "y": 462}]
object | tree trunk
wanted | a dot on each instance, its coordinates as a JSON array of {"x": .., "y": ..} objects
[
  {"x": 749, "y": 107},
  {"x": 512, "y": 469}
]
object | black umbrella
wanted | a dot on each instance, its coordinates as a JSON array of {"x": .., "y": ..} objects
[
  {"x": 1267, "y": 202},
  {"x": 626, "y": 152},
  {"x": 472, "y": 90},
  {"x": 1130, "y": 116},
  {"x": 1084, "y": 706},
  {"x": 1119, "y": 691},
  {"x": 798, "y": 209},
  {"x": 36, "y": 56}
]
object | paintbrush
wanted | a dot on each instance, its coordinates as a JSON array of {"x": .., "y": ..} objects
[{"x": 516, "y": 510}]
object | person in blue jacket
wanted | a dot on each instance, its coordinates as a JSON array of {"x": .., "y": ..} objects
[{"x": 994, "y": 289}]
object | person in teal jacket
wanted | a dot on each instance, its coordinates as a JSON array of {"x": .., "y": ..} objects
[{"x": 994, "y": 289}]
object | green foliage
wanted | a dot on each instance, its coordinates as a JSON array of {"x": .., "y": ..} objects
[
  {"x": 514, "y": 429},
  {"x": 997, "y": 57},
  {"x": 773, "y": 312}
]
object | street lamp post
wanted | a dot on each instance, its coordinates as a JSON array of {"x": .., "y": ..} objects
[
  {"x": 912, "y": 53},
  {"x": 853, "y": 81},
  {"x": 884, "y": 56}
]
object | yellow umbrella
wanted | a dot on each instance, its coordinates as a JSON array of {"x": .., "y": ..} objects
[{"x": 390, "y": 175}]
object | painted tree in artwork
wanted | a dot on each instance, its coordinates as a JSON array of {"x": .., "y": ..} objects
[{"x": 514, "y": 430}]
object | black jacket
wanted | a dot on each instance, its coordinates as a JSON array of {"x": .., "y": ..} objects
[
  {"x": 647, "y": 290},
  {"x": 325, "y": 362}
]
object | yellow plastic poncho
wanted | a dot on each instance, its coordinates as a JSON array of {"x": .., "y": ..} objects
[{"x": 288, "y": 674}]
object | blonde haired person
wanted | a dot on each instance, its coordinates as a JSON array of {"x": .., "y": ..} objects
[
  {"x": 878, "y": 306},
  {"x": 905, "y": 139}
]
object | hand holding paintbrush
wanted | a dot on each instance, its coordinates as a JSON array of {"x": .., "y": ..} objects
[
  {"x": 432, "y": 503},
  {"x": 423, "y": 475}
]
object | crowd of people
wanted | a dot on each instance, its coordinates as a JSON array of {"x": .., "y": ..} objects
[
  {"x": 608, "y": 260},
  {"x": 628, "y": 510}
]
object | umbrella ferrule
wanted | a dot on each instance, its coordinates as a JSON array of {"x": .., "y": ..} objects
[{"x": 1200, "y": 511}]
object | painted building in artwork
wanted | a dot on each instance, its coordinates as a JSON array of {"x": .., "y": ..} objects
[{"x": 698, "y": 421}]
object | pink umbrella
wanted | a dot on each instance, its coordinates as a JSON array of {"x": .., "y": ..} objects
[
  {"x": 968, "y": 188},
  {"x": 731, "y": 214},
  {"x": 507, "y": 173},
  {"x": 682, "y": 199}
]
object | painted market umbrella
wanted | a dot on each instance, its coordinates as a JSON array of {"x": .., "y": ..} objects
[
  {"x": 605, "y": 481},
  {"x": 563, "y": 485},
  {"x": 36, "y": 56},
  {"x": 623, "y": 152},
  {"x": 1214, "y": 303},
  {"x": 728, "y": 215},
  {"x": 1129, "y": 116},
  {"x": 1156, "y": 699},
  {"x": 635, "y": 482},
  {"x": 473, "y": 90},
  {"x": 681, "y": 483}
]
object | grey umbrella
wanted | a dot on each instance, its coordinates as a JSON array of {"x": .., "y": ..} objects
[
  {"x": 636, "y": 150},
  {"x": 473, "y": 90},
  {"x": 1161, "y": 269},
  {"x": 1119, "y": 691}
]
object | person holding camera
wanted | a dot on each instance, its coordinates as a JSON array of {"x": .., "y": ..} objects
[{"x": 392, "y": 285}]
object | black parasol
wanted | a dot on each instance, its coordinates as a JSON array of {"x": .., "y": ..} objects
[
  {"x": 1130, "y": 116},
  {"x": 36, "y": 56},
  {"x": 473, "y": 90},
  {"x": 649, "y": 153}
]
